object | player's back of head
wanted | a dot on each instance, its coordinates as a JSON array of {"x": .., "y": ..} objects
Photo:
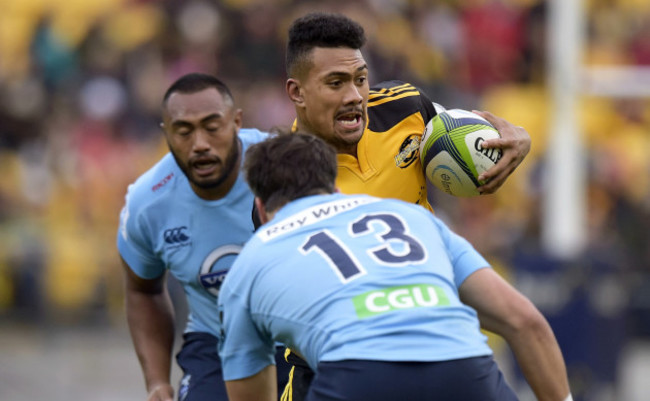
[
  {"x": 320, "y": 29},
  {"x": 290, "y": 166}
]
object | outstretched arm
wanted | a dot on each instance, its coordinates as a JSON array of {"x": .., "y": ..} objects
[
  {"x": 515, "y": 144},
  {"x": 505, "y": 311},
  {"x": 150, "y": 316}
]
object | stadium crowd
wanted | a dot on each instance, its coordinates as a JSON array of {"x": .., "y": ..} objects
[{"x": 80, "y": 89}]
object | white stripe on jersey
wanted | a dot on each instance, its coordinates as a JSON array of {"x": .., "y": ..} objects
[{"x": 312, "y": 215}]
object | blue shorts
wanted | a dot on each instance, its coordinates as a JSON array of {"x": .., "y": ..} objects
[
  {"x": 202, "y": 375},
  {"x": 468, "y": 379}
]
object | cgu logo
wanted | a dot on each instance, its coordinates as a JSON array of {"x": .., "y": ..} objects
[
  {"x": 406, "y": 297},
  {"x": 494, "y": 154}
]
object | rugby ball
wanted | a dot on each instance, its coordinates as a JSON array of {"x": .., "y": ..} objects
[{"x": 451, "y": 153}]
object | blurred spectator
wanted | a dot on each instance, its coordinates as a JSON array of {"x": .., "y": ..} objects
[{"x": 80, "y": 91}]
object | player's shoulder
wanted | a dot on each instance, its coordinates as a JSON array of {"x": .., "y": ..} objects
[
  {"x": 250, "y": 136},
  {"x": 154, "y": 183},
  {"x": 390, "y": 102},
  {"x": 396, "y": 203},
  {"x": 394, "y": 86},
  {"x": 248, "y": 263},
  {"x": 405, "y": 208},
  {"x": 388, "y": 91}
]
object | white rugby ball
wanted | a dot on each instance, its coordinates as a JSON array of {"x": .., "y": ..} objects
[{"x": 451, "y": 153}]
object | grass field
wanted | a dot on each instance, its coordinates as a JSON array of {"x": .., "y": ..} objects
[
  {"x": 98, "y": 364},
  {"x": 94, "y": 364}
]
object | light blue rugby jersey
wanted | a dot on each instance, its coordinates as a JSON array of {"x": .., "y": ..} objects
[
  {"x": 165, "y": 225},
  {"x": 350, "y": 277}
]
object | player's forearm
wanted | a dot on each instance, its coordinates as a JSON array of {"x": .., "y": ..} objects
[
  {"x": 151, "y": 323},
  {"x": 540, "y": 359},
  {"x": 505, "y": 311}
]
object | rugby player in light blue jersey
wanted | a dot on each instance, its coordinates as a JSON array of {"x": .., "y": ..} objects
[
  {"x": 378, "y": 296},
  {"x": 189, "y": 215}
]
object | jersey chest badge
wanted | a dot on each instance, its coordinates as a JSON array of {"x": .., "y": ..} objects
[
  {"x": 176, "y": 237},
  {"x": 409, "y": 151},
  {"x": 211, "y": 275}
]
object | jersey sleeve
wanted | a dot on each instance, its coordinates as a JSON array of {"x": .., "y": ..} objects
[
  {"x": 135, "y": 244},
  {"x": 428, "y": 109},
  {"x": 464, "y": 258},
  {"x": 243, "y": 349}
]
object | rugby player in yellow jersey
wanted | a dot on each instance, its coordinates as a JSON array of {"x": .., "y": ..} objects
[{"x": 376, "y": 131}]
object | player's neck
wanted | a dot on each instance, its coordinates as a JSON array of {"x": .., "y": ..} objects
[
  {"x": 341, "y": 148},
  {"x": 347, "y": 150}
]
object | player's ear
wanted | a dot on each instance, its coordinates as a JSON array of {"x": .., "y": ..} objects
[
  {"x": 261, "y": 210},
  {"x": 238, "y": 117},
  {"x": 294, "y": 91}
]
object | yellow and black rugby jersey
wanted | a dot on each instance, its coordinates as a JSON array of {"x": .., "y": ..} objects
[{"x": 388, "y": 162}]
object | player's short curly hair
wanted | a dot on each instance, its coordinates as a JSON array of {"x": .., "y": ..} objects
[
  {"x": 290, "y": 166},
  {"x": 196, "y": 82},
  {"x": 320, "y": 29}
]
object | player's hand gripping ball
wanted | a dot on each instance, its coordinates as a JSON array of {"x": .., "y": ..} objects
[{"x": 451, "y": 151}]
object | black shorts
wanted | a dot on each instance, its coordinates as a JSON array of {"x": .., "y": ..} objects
[
  {"x": 468, "y": 379},
  {"x": 202, "y": 374},
  {"x": 300, "y": 378}
]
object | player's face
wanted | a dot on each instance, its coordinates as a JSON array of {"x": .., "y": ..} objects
[
  {"x": 201, "y": 131},
  {"x": 332, "y": 96}
]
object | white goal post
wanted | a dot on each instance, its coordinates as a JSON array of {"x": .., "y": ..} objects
[
  {"x": 564, "y": 231},
  {"x": 563, "y": 214}
]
